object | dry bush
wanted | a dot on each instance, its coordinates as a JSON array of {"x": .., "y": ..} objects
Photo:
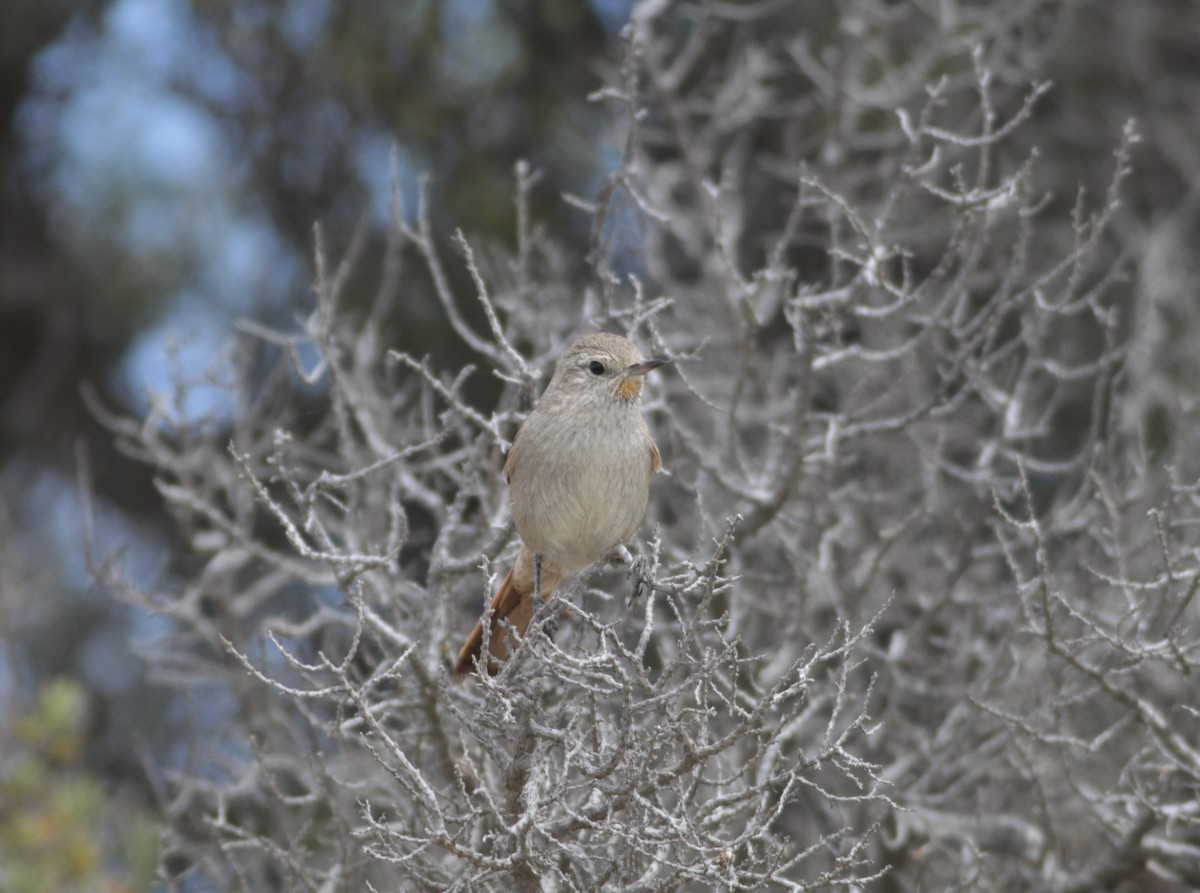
[{"x": 912, "y": 608}]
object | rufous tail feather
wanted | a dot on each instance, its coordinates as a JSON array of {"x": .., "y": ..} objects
[{"x": 512, "y": 602}]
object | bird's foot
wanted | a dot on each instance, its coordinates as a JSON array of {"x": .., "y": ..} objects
[
  {"x": 545, "y": 616},
  {"x": 641, "y": 572}
]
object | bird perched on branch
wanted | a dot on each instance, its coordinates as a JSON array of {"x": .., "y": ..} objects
[{"x": 579, "y": 479}]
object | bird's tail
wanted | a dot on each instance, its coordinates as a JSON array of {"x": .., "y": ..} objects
[{"x": 513, "y": 602}]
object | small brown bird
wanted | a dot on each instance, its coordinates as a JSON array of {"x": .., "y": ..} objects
[{"x": 579, "y": 480}]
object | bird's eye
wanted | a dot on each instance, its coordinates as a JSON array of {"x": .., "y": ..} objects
[{"x": 596, "y": 367}]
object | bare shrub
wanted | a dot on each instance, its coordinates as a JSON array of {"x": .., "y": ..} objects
[{"x": 912, "y": 608}]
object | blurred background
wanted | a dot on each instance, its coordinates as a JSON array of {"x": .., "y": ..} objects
[{"x": 162, "y": 165}]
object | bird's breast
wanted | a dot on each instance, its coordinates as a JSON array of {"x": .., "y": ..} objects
[{"x": 580, "y": 486}]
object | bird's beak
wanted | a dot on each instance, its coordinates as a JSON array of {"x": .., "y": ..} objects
[{"x": 642, "y": 368}]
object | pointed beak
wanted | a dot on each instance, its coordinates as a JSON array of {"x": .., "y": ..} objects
[{"x": 642, "y": 368}]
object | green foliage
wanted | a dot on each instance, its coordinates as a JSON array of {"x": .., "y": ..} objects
[{"x": 60, "y": 829}]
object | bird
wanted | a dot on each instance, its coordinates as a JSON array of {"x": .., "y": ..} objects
[{"x": 579, "y": 475}]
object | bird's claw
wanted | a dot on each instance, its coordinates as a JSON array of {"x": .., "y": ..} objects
[
  {"x": 546, "y": 617},
  {"x": 640, "y": 570}
]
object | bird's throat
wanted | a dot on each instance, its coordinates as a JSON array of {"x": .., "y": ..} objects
[{"x": 630, "y": 388}]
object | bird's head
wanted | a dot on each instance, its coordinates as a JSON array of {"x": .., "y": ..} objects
[{"x": 603, "y": 365}]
